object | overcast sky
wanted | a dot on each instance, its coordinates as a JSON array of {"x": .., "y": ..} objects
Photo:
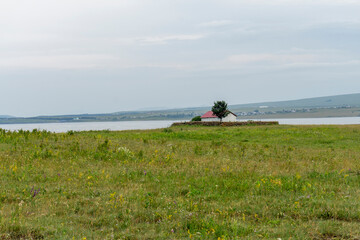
[{"x": 99, "y": 56}]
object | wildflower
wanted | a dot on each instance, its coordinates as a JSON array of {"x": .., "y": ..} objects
[
  {"x": 36, "y": 191},
  {"x": 276, "y": 181},
  {"x": 125, "y": 151},
  {"x": 190, "y": 235},
  {"x": 112, "y": 195}
]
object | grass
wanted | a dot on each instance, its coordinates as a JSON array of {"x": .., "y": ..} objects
[{"x": 253, "y": 182}]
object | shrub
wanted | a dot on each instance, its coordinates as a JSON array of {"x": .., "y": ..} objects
[{"x": 196, "y": 119}]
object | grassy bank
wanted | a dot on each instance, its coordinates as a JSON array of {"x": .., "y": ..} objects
[
  {"x": 224, "y": 124},
  {"x": 247, "y": 182}
]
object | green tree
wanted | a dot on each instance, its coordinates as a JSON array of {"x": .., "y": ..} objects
[{"x": 220, "y": 109}]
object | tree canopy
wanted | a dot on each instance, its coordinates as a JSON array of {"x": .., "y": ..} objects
[{"x": 220, "y": 109}]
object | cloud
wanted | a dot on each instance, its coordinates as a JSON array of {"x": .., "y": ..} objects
[
  {"x": 350, "y": 63},
  {"x": 216, "y": 23},
  {"x": 167, "y": 38},
  {"x": 298, "y": 2},
  {"x": 58, "y": 61},
  {"x": 280, "y": 62},
  {"x": 271, "y": 58},
  {"x": 83, "y": 62}
]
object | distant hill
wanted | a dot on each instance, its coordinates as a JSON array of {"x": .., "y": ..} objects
[
  {"x": 329, "y": 101},
  {"x": 331, "y": 106},
  {"x": 6, "y": 116}
]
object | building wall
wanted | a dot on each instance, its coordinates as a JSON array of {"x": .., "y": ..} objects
[
  {"x": 210, "y": 119},
  {"x": 229, "y": 118}
]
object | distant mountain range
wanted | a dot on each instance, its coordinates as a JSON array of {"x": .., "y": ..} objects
[
  {"x": 330, "y": 101},
  {"x": 6, "y": 116},
  {"x": 331, "y": 106}
]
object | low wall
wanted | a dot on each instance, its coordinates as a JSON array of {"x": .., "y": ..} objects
[{"x": 226, "y": 124}]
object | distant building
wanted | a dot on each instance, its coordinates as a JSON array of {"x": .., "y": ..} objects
[{"x": 210, "y": 117}]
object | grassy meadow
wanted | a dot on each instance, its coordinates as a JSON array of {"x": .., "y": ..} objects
[{"x": 250, "y": 182}]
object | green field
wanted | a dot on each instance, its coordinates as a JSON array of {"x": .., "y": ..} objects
[{"x": 254, "y": 182}]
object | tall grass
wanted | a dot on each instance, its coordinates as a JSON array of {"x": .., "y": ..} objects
[{"x": 192, "y": 182}]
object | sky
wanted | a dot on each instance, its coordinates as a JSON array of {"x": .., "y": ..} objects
[{"x": 103, "y": 56}]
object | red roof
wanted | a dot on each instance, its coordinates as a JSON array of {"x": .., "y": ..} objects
[{"x": 210, "y": 114}]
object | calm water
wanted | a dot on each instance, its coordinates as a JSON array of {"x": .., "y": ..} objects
[
  {"x": 316, "y": 121},
  {"x": 132, "y": 125},
  {"x": 87, "y": 126}
]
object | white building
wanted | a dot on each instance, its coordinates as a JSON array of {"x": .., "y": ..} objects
[{"x": 210, "y": 117}]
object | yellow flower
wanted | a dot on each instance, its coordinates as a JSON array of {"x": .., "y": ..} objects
[
  {"x": 14, "y": 168},
  {"x": 112, "y": 195}
]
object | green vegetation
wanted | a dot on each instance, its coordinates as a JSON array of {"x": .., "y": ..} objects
[
  {"x": 196, "y": 119},
  {"x": 251, "y": 182}
]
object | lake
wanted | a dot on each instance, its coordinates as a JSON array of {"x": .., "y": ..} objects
[
  {"x": 132, "y": 125},
  {"x": 316, "y": 121}
]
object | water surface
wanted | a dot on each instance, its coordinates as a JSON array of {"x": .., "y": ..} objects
[
  {"x": 87, "y": 126},
  {"x": 132, "y": 125}
]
